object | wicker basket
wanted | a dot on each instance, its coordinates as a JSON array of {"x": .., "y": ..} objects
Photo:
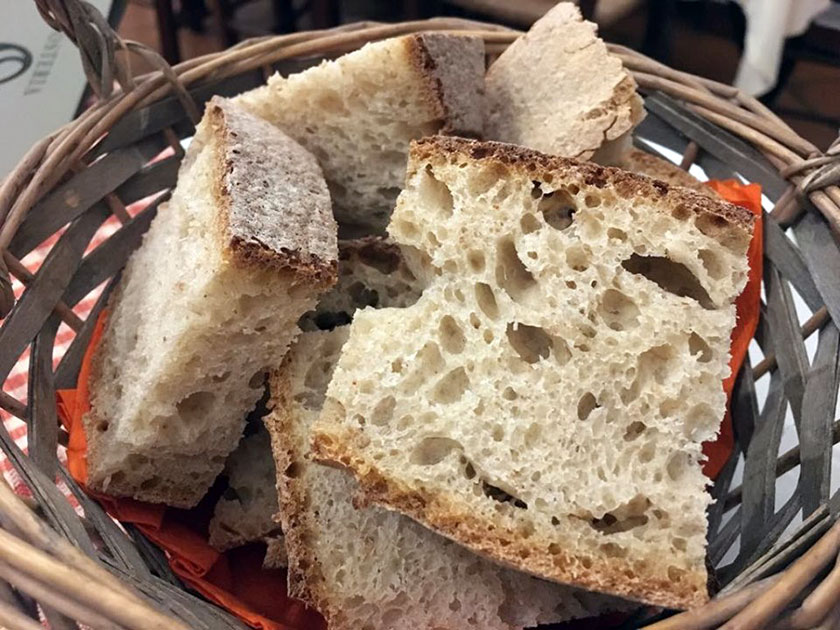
[{"x": 76, "y": 565}]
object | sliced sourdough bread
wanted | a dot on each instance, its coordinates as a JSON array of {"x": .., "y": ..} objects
[
  {"x": 358, "y": 113},
  {"x": 245, "y": 512},
  {"x": 557, "y": 89},
  {"x": 373, "y": 568},
  {"x": 638, "y": 161},
  {"x": 545, "y": 400},
  {"x": 205, "y": 306}
]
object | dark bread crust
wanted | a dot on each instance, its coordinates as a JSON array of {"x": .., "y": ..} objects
[
  {"x": 445, "y": 515},
  {"x": 305, "y": 580},
  {"x": 275, "y": 211},
  {"x": 730, "y": 224},
  {"x": 452, "y": 68}
]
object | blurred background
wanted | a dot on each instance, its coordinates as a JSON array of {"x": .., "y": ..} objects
[{"x": 786, "y": 51}]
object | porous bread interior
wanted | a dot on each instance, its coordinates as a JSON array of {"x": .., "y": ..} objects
[
  {"x": 559, "y": 90},
  {"x": 371, "y": 272},
  {"x": 188, "y": 339},
  {"x": 357, "y": 114},
  {"x": 245, "y": 512},
  {"x": 545, "y": 399},
  {"x": 373, "y": 569}
]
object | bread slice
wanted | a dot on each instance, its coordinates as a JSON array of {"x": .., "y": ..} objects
[
  {"x": 205, "y": 306},
  {"x": 245, "y": 512},
  {"x": 545, "y": 400},
  {"x": 358, "y": 113},
  {"x": 275, "y": 551},
  {"x": 639, "y": 161},
  {"x": 557, "y": 89},
  {"x": 372, "y": 568}
]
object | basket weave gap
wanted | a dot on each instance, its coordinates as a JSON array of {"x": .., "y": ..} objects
[
  {"x": 723, "y": 540},
  {"x": 789, "y": 261}
]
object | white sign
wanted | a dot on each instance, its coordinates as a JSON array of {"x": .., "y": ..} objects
[{"x": 41, "y": 78}]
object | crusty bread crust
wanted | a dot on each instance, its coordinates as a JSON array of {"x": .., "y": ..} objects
[
  {"x": 279, "y": 242},
  {"x": 447, "y": 516},
  {"x": 638, "y": 161},
  {"x": 453, "y": 88},
  {"x": 730, "y": 224}
]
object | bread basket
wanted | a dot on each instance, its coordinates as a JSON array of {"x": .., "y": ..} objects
[{"x": 66, "y": 562}]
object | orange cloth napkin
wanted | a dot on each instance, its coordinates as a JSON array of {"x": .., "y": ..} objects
[
  {"x": 746, "y": 308},
  {"x": 235, "y": 579}
]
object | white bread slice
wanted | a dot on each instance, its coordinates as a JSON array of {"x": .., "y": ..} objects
[
  {"x": 638, "y": 161},
  {"x": 358, "y": 113},
  {"x": 375, "y": 569},
  {"x": 245, "y": 512},
  {"x": 206, "y": 304},
  {"x": 558, "y": 90},
  {"x": 545, "y": 400},
  {"x": 372, "y": 272}
]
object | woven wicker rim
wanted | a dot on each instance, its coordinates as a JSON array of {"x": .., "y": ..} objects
[{"x": 38, "y": 556}]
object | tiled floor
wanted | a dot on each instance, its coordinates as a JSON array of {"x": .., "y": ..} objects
[{"x": 812, "y": 89}]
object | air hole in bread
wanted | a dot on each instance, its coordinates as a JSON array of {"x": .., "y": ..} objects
[
  {"x": 670, "y": 276},
  {"x": 578, "y": 256},
  {"x": 102, "y": 426},
  {"x": 618, "y": 311},
  {"x": 451, "y": 387},
  {"x": 531, "y": 343},
  {"x": 475, "y": 322},
  {"x": 257, "y": 381},
  {"x": 195, "y": 407},
  {"x": 558, "y": 209},
  {"x": 698, "y": 347},
  {"x": 678, "y": 543},
  {"x": 531, "y": 438},
  {"x": 586, "y": 405},
  {"x": 612, "y": 550},
  {"x": 433, "y": 241},
  {"x": 498, "y": 433},
  {"x": 647, "y": 452},
  {"x": 678, "y": 464},
  {"x": 293, "y": 470},
  {"x": 383, "y": 412},
  {"x": 712, "y": 263},
  {"x": 407, "y": 228},
  {"x": 488, "y": 336},
  {"x": 497, "y": 494},
  {"x": 220, "y": 378},
  {"x": 529, "y": 223},
  {"x": 247, "y": 304},
  {"x": 657, "y": 363},
  {"x": 511, "y": 273},
  {"x": 509, "y": 394},
  {"x": 482, "y": 180},
  {"x": 701, "y": 419},
  {"x": 475, "y": 259},
  {"x": 433, "y": 450},
  {"x": 428, "y": 363},
  {"x": 592, "y": 200},
  {"x": 675, "y": 574},
  {"x": 624, "y": 518},
  {"x": 634, "y": 431},
  {"x": 486, "y": 300},
  {"x": 619, "y": 235}
]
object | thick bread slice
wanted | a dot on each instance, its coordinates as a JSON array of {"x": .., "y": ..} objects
[
  {"x": 371, "y": 272},
  {"x": 205, "y": 306},
  {"x": 372, "y": 568},
  {"x": 557, "y": 89},
  {"x": 358, "y": 113},
  {"x": 545, "y": 400},
  {"x": 245, "y": 512},
  {"x": 638, "y": 161}
]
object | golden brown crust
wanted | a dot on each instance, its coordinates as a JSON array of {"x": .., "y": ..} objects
[
  {"x": 451, "y": 95},
  {"x": 314, "y": 261},
  {"x": 445, "y": 515},
  {"x": 305, "y": 579},
  {"x": 728, "y": 223},
  {"x": 641, "y": 162}
]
